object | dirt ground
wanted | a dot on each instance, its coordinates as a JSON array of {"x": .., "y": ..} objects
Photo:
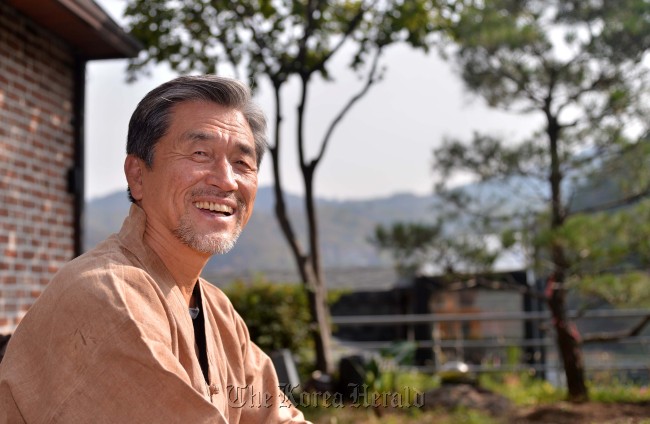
[
  {"x": 587, "y": 413},
  {"x": 559, "y": 413}
]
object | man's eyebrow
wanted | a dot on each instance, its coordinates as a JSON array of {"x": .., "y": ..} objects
[
  {"x": 203, "y": 136},
  {"x": 246, "y": 149},
  {"x": 197, "y": 136}
]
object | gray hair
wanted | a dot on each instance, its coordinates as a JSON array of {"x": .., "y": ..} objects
[{"x": 151, "y": 118}]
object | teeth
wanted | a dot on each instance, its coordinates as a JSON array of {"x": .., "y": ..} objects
[{"x": 215, "y": 207}]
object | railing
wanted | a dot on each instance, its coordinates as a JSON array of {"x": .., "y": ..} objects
[
  {"x": 482, "y": 316},
  {"x": 550, "y": 364}
]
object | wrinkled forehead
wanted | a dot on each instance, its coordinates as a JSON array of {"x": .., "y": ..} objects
[{"x": 196, "y": 117}]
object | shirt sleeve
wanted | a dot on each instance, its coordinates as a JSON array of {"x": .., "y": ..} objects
[{"x": 79, "y": 357}]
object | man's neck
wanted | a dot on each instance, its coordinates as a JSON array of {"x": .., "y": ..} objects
[{"x": 182, "y": 262}]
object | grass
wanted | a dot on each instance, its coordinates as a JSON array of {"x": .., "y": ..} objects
[
  {"x": 619, "y": 393},
  {"x": 522, "y": 389},
  {"x": 347, "y": 415}
]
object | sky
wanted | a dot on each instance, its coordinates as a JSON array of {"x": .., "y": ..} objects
[{"x": 383, "y": 146}]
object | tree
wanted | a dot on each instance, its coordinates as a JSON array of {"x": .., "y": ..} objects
[
  {"x": 579, "y": 65},
  {"x": 278, "y": 41},
  {"x": 416, "y": 245},
  {"x": 608, "y": 243}
]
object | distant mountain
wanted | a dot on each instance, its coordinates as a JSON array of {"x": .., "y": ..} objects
[
  {"x": 345, "y": 226},
  {"x": 344, "y": 229},
  {"x": 104, "y": 216}
]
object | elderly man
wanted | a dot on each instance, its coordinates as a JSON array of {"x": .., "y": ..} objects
[{"x": 129, "y": 332}]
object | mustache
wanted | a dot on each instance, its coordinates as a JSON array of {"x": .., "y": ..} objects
[{"x": 215, "y": 192}]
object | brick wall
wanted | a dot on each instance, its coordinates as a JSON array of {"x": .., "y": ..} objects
[{"x": 36, "y": 151}]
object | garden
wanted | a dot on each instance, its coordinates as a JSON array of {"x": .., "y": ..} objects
[{"x": 388, "y": 390}]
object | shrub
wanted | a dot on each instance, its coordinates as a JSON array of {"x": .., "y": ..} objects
[{"x": 277, "y": 315}]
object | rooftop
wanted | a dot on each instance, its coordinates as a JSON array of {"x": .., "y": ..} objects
[{"x": 83, "y": 24}]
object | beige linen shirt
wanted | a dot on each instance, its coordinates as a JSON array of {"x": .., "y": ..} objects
[{"x": 111, "y": 341}]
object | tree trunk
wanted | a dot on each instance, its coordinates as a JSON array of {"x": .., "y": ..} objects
[
  {"x": 320, "y": 330},
  {"x": 310, "y": 275},
  {"x": 317, "y": 291},
  {"x": 567, "y": 337},
  {"x": 568, "y": 343}
]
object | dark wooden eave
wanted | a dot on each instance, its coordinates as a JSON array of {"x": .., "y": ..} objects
[{"x": 82, "y": 24}]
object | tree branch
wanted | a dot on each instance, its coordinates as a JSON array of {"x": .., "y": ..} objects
[
  {"x": 309, "y": 28},
  {"x": 260, "y": 43},
  {"x": 369, "y": 82},
  {"x": 354, "y": 22},
  {"x": 613, "y": 204},
  {"x": 302, "y": 106},
  {"x": 280, "y": 204},
  {"x": 617, "y": 335}
]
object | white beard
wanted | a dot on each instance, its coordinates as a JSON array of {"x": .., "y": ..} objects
[{"x": 211, "y": 243}]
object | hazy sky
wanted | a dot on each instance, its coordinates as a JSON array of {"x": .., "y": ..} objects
[{"x": 383, "y": 146}]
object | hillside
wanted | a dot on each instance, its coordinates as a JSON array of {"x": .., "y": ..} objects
[{"x": 345, "y": 227}]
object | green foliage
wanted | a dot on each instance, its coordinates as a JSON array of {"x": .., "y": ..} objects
[
  {"x": 408, "y": 243},
  {"x": 418, "y": 381},
  {"x": 570, "y": 63},
  {"x": 411, "y": 416},
  {"x": 277, "y": 315},
  {"x": 271, "y": 39},
  {"x": 567, "y": 62},
  {"x": 613, "y": 391},
  {"x": 413, "y": 245},
  {"x": 578, "y": 65},
  {"x": 470, "y": 416},
  {"x": 525, "y": 390},
  {"x": 381, "y": 372},
  {"x": 522, "y": 389},
  {"x": 609, "y": 254},
  {"x": 624, "y": 290}
]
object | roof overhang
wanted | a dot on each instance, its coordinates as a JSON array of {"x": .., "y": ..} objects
[{"x": 82, "y": 24}]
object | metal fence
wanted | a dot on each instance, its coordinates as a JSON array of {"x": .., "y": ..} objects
[{"x": 629, "y": 357}]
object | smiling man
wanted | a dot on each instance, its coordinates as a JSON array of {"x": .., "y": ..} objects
[{"x": 129, "y": 332}]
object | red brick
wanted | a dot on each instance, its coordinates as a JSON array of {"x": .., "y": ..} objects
[
  {"x": 36, "y": 87},
  {"x": 27, "y": 254}
]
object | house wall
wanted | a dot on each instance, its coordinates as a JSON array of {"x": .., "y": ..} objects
[{"x": 36, "y": 151}]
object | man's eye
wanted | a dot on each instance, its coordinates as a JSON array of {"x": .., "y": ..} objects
[
  {"x": 200, "y": 153},
  {"x": 242, "y": 163}
]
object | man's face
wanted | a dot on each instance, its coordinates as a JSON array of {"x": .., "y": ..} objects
[{"x": 202, "y": 184}]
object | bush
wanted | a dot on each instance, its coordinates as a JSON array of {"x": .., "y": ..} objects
[{"x": 277, "y": 315}]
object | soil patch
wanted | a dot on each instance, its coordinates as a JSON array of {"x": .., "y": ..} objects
[
  {"x": 587, "y": 413},
  {"x": 466, "y": 396}
]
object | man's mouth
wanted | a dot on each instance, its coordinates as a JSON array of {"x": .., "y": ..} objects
[{"x": 216, "y": 208}]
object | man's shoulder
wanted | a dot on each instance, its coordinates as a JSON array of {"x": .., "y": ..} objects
[
  {"x": 98, "y": 273},
  {"x": 105, "y": 258}
]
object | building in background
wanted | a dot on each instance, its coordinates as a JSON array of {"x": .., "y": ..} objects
[{"x": 44, "y": 46}]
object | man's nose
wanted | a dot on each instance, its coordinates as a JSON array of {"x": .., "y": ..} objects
[{"x": 221, "y": 175}]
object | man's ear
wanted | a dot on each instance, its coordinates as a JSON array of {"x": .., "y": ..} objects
[{"x": 133, "y": 171}]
